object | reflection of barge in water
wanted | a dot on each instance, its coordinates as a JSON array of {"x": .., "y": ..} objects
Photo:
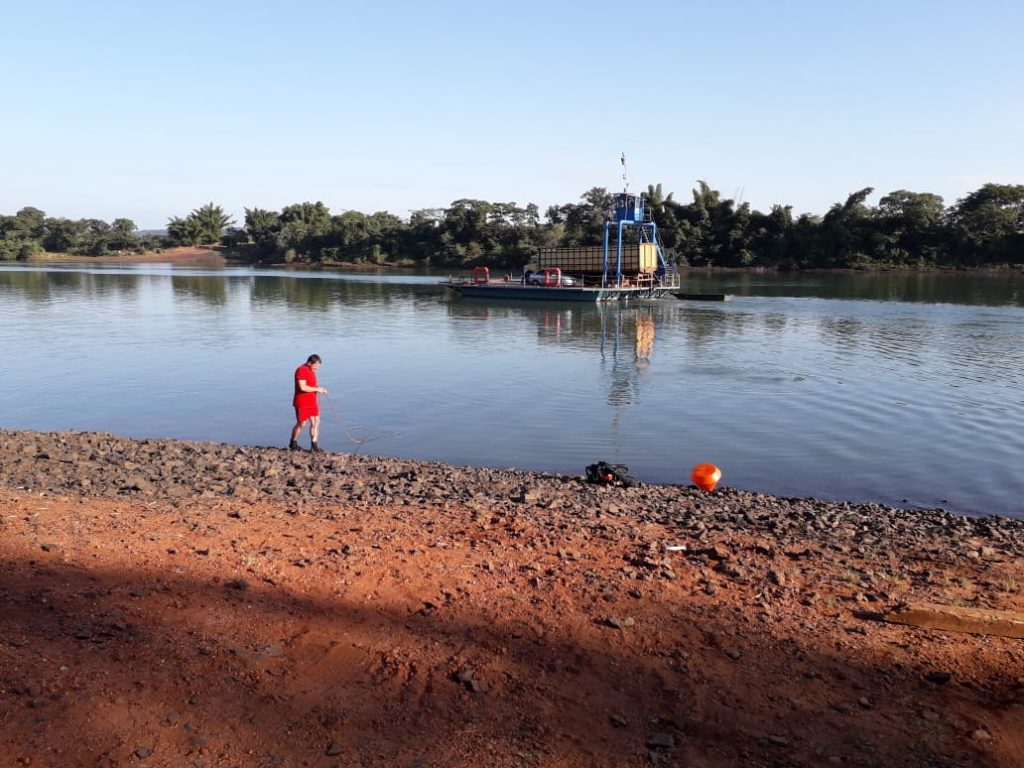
[{"x": 615, "y": 271}]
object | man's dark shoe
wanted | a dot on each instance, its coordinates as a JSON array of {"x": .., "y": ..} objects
[
  {"x": 316, "y": 448},
  {"x": 293, "y": 446}
]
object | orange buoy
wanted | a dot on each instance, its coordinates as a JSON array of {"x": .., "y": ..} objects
[{"x": 706, "y": 476}]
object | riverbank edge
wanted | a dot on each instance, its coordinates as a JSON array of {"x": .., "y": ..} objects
[
  {"x": 107, "y": 465},
  {"x": 208, "y": 256},
  {"x": 198, "y": 256}
]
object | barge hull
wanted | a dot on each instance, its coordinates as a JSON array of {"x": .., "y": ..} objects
[{"x": 541, "y": 293}]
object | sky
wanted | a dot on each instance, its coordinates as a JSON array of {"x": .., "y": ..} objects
[{"x": 148, "y": 110}]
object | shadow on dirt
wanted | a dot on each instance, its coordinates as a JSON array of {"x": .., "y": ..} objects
[{"x": 103, "y": 668}]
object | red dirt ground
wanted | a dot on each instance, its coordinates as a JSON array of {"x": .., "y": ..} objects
[{"x": 210, "y": 632}]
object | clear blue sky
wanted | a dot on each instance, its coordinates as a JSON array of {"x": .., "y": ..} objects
[{"x": 150, "y": 109}]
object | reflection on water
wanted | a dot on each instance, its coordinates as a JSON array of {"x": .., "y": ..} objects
[
  {"x": 908, "y": 389},
  {"x": 622, "y": 334},
  {"x": 625, "y": 363},
  {"x": 210, "y": 289},
  {"x": 992, "y": 289}
]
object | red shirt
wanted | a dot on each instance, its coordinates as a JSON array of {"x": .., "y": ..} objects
[{"x": 306, "y": 373}]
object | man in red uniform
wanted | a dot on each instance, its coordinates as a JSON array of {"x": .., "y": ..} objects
[{"x": 306, "y": 406}]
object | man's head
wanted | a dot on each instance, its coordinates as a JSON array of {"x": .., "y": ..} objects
[{"x": 313, "y": 360}]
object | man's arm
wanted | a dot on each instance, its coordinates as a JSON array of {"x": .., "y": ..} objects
[{"x": 304, "y": 387}]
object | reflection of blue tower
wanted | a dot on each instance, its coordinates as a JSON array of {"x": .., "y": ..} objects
[{"x": 630, "y": 213}]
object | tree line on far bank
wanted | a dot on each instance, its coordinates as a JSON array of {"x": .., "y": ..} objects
[
  {"x": 31, "y": 232},
  {"x": 905, "y": 229}
]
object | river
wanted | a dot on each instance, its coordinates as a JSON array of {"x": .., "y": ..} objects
[{"x": 907, "y": 389}]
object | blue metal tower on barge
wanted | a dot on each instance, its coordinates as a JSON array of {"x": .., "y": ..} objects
[{"x": 630, "y": 212}]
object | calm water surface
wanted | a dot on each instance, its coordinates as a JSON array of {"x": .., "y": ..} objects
[{"x": 905, "y": 389}]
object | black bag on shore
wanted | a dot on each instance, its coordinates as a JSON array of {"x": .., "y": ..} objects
[{"x": 603, "y": 473}]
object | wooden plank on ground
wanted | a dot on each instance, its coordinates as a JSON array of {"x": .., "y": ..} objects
[{"x": 954, "y": 618}]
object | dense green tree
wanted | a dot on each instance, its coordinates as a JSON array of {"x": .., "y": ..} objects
[
  {"x": 122, "y": 235},
  {"x": 911, "y": 226},
  {"x": 304, "y": 231},
  {"x": 63, "y": 236},
  {"x": 10, "y": 247},
  {"x": 292, "y": 241},
  {"x": 261, "y": 223},
  {"x": 315, "y": 218},
  {"x": 772, "y": 237},
  {"x": 988, "y": 225},
  {"x": 421, "y": 241},
  {"x": 28, "y": 249},
  {"x": 384, "y": 231},
  {"x": 184, "y": 231},
  {"x": 21, "y": 234},
  {"x": 96, "y": 239},
  {"x": 30, "y": 223},
  {"x": 212, "y": 222},
  {"x": 354, "y": 236},
  {"x": 846, "y": 230},
  {"x": 262, "y": 227},
  {"x": 710, "y": 231},
  {"x": 583, "y": 223},
  {"x": 466, "y": 231},
  {"x": 203, "y": 226}
]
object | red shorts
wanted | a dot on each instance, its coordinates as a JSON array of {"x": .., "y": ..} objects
[{"x": 304, "y": 411}]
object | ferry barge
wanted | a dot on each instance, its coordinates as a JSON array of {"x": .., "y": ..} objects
[{"x": 630, "y": 264}]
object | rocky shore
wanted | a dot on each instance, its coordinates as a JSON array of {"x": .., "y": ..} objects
[
  {"x": 180, "y": 603},
  {"x": 100, "y": 464}
]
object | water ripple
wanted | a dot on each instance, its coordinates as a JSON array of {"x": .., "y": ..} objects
[{"x": 794, "y": 394}]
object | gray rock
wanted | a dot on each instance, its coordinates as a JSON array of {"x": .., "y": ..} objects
[{"x": 661, "y": 741}]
